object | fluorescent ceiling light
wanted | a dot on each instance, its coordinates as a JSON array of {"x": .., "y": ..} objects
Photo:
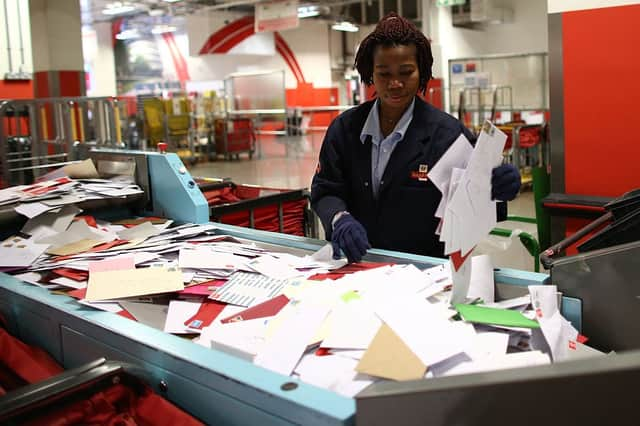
[
  {"x": 308, "y": 11},
  {"x": 345, "y": 26},
  {"x": 118, "y": 8},
  {"x": 128, "y": 34},
  {"x": 161, "y": 29},
  {"x": 171, "y": 1}
]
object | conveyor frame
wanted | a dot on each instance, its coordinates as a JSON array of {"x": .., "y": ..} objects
[{"x": 213, "y": 386}]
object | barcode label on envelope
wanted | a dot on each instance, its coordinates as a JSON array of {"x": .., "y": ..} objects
[{"x": 248, "y": 289}]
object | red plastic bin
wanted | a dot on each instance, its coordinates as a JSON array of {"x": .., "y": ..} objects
[{"x": 267, "y": 209}]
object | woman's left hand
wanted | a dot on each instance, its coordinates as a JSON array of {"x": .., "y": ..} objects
[{"x": 505, "y": 182}]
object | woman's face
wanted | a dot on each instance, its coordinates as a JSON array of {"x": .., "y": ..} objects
[{"x": 396, "y": 76}]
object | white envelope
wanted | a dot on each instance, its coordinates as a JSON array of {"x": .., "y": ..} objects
[
  {"x": 503, "y": 362},
  {"x": 424, "y": 328},
  {"x": 481, "y": 281},
  {"x": 285, "y": 347},
  {"x": 179, "y": 312},
  {"x": 353, "y": 326},
  {"x": 18, "y": 251},
  {"x": 457, "y": 156},
  {"x": 243, "y": 339},
  {"x": 558, "y": 332}
]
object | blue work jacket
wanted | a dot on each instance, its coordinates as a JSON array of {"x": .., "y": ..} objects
[{"x": 402, "y": 217}]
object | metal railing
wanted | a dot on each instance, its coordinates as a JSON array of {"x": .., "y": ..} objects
[
  {"x": 37, "y": 135},
  {"x": 300, "y": 121}
]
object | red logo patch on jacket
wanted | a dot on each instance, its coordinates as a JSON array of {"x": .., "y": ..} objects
[{"x": 421, "y": 173}]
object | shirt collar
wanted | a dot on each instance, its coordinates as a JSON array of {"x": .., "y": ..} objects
[{"x": 372, "y": 124}]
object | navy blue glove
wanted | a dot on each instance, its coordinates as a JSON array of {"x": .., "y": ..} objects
[
  {"x": 350, "y": 236},
  {"x": 505, "y": 182}
]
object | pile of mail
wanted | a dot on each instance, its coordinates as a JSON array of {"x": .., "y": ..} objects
[
  {"x": 51, "y": 195},
  {"x": 281, "y": 311}
]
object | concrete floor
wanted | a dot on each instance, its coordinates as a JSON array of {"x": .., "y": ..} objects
[
  {"x": 275, "y": 172},
  {"x": 282, "y": 162}
]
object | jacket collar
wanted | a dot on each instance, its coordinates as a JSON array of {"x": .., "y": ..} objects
[
  {"x": 416, "y": 143},
  {"x": 371, "y": 126}
]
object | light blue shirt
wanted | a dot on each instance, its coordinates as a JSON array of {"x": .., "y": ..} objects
[{"x": 381, "y": 147}]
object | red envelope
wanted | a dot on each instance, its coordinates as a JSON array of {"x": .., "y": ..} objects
[
  {"x": 90, "y": 220},
  {"x": 39, "y": 189},
  {"x": 80, "y": 293},
  {"x": 202, "y": 289},
  {"x": 265, "y": 309},
  {"x": 336, "y": 274},
  {"x": 107, "y": 246},
  {"x": 208, "y": 311},
  {"x": 73, "y": 274},
  {"x": 126, "y": 314}
]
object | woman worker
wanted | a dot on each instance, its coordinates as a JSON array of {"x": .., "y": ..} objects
[{"x": 371, "y": 188}]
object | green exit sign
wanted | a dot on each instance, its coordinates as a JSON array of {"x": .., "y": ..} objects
[{"x": 450, "y": 2}]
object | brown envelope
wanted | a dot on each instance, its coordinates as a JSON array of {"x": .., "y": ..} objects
[
  {"x": 82, "y": 170},
  {"x": 390, "y": 358},
  {"x": 79, "y": 246}
]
